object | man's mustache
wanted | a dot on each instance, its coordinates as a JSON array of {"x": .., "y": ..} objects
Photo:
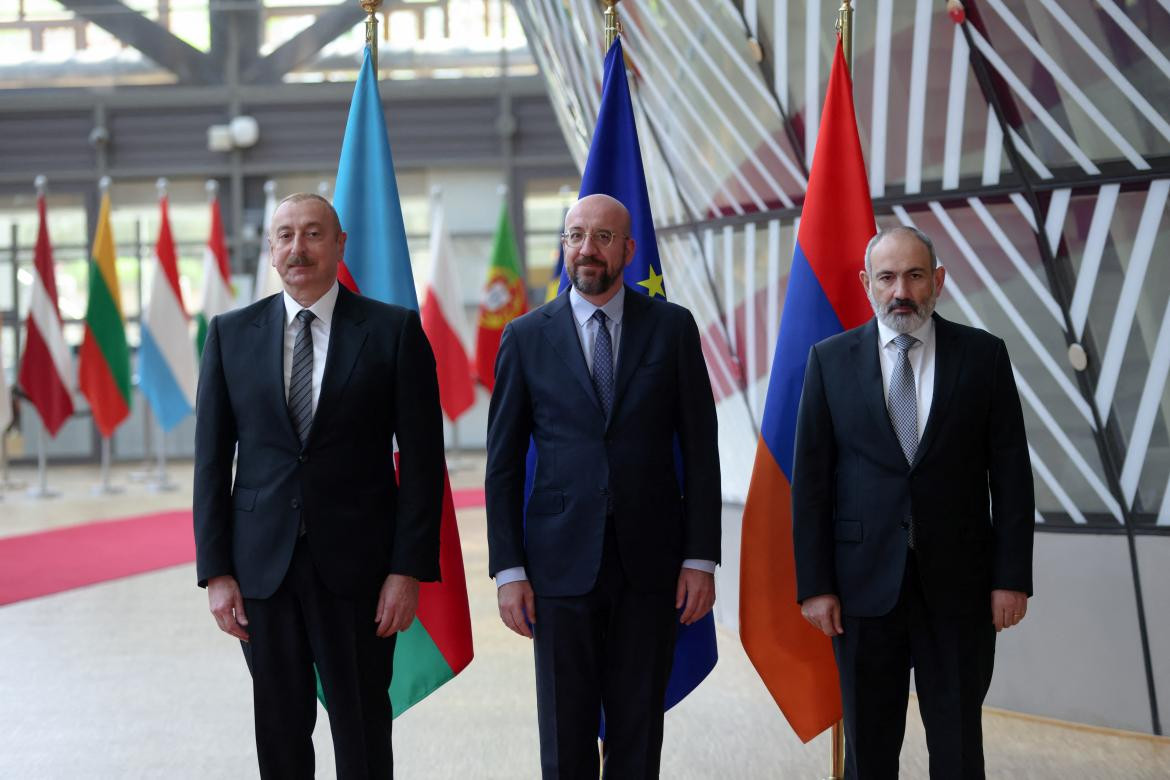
[
  {"x": 295, "y": 261},
  {"x": 898, "y": 303}
]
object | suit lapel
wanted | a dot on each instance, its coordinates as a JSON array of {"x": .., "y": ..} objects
[
  {"x": 270, "y": 323},
  {"x": 948, "y": 358},
  {"x": 561, "y": 332},
  {"x": 636, "y": 332},
  {"x": 347, "y": 337},
  {"x": 869, "y": 379}
]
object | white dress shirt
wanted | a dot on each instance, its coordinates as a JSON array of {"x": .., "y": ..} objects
[
  {"x": 921, "y": 357},
  {"x": 323, "y": 311},
  {"x": 587, "y": 332}
]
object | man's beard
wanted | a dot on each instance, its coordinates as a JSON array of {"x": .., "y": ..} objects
[
  {"x": 595, "y": 285},
  {"x": 904, "y": 323}
]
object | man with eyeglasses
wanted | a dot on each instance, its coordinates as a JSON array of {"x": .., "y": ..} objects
[{"x": 610, "y": 554}]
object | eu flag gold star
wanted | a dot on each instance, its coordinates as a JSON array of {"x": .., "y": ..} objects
[{"x": 653, "y": 285}]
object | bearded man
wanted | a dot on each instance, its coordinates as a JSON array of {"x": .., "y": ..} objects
[
  {"x": 913, "y": 510},
  {"x": 610, "y": 554}
]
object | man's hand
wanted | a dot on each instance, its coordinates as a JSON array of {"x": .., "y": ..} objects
[
  {"x": 696, "y": 589},
  {"x": 517, "y": 606},
  {"x": 227, "y": 605},
  {"x": 1008, "y": 607},
  {"x": 824, "y": 613},
  {"x": 397, "y": 603}
]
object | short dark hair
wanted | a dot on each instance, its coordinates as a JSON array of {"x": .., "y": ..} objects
[
  {"x": 877, "y": 239},
  {"x": 298, "y": 197}
]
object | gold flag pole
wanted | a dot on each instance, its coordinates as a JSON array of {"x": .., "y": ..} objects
[
  {"x": 371, "y": 8},
  {"x": 613, "y": 26},
  {"x": 844, "y": 26}
]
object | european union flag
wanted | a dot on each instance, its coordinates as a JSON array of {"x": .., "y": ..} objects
[{"x": 614, "y": 168}]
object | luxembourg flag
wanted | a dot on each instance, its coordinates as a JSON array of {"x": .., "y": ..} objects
[
  {"x": 824, "y": 297},
  {"x": 166, "y": 359}
]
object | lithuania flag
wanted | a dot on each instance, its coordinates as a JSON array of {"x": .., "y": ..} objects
[
  {"x": 105, "y": 358},
  {"x": 505, "y": 297}
]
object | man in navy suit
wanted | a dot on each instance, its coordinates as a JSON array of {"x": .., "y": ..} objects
[
  {"x": 313, "y": 553},
  {"x": 913, "y": 513},
  {"x": 605, "y": 381}
]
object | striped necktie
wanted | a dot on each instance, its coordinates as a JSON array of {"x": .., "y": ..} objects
[{"x": 300, "y": 383}]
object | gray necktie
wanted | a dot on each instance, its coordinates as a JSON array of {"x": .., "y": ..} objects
[
  {"x": 603, "y": 363},
  {"x": 903, "y": 402},
  {"x": 300, "y": 383}
]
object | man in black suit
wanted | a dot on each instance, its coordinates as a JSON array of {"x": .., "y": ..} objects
[
  {"x": 312, "y": 554},
  {"x": 605, "y": 381},
  {"x": 913, "y": 513}
]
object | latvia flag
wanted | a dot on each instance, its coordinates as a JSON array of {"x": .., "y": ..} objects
[{"x": 46, "y": 365}]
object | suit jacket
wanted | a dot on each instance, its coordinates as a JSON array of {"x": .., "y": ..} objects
[
  {"x": 969, "y": 491},
  {"x": 379, "y": 383},
  {"x": 589, "y": 466}
]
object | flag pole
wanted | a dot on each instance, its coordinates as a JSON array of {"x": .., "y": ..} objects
[
  {"x": 104, "y": 488},
  {"x": 371, "y": 8},
  {"x": 42, "y": 489},
  {"x": 162, "y": 481},
  {"x": 844, "y": 26}
]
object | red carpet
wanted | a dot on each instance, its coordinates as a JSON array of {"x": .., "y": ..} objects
[{"x": 52, "y": 561}]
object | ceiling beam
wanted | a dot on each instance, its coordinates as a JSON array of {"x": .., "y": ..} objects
[
  {"x": 190, "y": 65},
  {"x": 303, "y": 46}
]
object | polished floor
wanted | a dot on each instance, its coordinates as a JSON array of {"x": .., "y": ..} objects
[{"x": 131, "y": 679}]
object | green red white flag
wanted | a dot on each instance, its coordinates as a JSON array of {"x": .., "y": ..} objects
[
  {"x": 505, "y": 297},
  {"x": 104, "y": 372},
  {"x": 218, "y": 295}
]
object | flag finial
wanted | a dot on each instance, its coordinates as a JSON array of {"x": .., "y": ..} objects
[
  {"x": 161, "y": 186},
  {"x": 104, "y": 185},
  {"x": 613, "y": 25},
  {"x": 845, "y": 28},
  {"x": 41, "y": 182},
  {"x": 371, "y": 7},
  {"x": 212, "y": 187}
]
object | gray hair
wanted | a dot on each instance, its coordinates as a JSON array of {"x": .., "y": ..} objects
[{"x": 877, "y": 238}]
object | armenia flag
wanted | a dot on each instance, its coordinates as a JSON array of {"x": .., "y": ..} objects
[
  {"x": 614, "y": 168},
  {"x": 377, "y": 264},
  {"x": 105, "y": 357},
  {"x": 824, "y": 297}
]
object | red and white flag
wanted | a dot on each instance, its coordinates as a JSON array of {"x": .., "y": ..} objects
[
  {"x": 445, "y": 325},
  {"x": 46, "y": 365},
  {"x": 218, "y": 295}
]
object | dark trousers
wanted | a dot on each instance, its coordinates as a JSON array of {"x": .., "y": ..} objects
[
  {"x": 300, "y": 625},
  {"x": 609, "y": 649},
  {"x": 952, "y": 658}
]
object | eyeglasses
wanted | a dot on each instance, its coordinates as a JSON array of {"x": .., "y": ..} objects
[{"x": 575, "y": 238}]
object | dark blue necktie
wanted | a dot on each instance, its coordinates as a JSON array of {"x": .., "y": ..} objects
[
  {"x": 300, "y": 383},
  {"x": 603, "y": 363}
]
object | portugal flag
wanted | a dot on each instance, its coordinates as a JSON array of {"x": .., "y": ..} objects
[
  {"x": 505, "y": 297},
  {"x": 823, "y": 297},
  {"x": 105, "y": 357}
]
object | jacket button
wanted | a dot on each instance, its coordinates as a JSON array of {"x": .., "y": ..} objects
[
  {"x": 296, "y": 503},
  {"x": 302, "y": 458}
]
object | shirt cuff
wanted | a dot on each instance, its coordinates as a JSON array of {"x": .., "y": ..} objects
[
  {"x": 698, "y": 564},
  {"x": 508, "y": 576}
]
